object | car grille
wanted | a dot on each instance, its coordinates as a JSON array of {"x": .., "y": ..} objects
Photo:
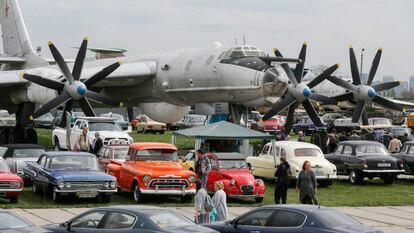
[
  {"x": 4, "y": 184},
  {"x": 168, "y": 183},
  {"x": 87, "y": 185},
  {"x": 247, "y": 189}
]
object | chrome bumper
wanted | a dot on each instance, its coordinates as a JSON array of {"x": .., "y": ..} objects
[
  {"x": 88, "y": 190},
  {"x": 11, "y": 190},
  {"x": 168, "y": 192},
  {"x": 238, "y": 196},
  {"x": 384, "y": 171}
]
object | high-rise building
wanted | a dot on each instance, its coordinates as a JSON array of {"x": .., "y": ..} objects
[{"x": 411, "y": 87}]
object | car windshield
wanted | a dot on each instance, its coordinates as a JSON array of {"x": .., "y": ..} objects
[
  {"x": 47, "y": 116},
  {"x": 156, "y": 155},
  {"x": 194, "y": 119},
  {"x": 9, "y": 221},
  {"x": 332, "y": 218},
  {"x": 229, "y": 164},
  {"x": 307, "y": 152},
  {"x": 166, "y": 219},
  {"x": 377, "y": 149},
  {"x": 120, "y": 153},
  {"x": 104, "y": 126},
  {"x": 27, "y": 153},
  {"x": 400, "y": 131},
  {"x": 118, "y": 117},
  {"x": 379, "y": 121},
  {"x": 75, "y": 163},
  {"x": 3, "y": 166}
]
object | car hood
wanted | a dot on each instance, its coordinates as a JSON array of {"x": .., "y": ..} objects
[
  {"x": 83, "y": 175},
  {"x": 190, "y": 228},
  {"x": 242, "y": 175},
  {"x": 5, "y": 176},
  {"x": 162, "y": 168},
  {"x": 110, "y": 134},
  {"x": 33, "y": 229}
]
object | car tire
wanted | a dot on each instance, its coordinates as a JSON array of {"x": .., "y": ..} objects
[
  {"x": 56, "y": 197},
  {"x": 186, "y": 199},
  {"x": 388, "y": 179},
  {"x": 355, "y": 177},
  {"x": 13, "y": 200},
  {"x": 136, "y": 194},
  {"x": 259, "y": 199},
  {"x": 57, "y": 146}
]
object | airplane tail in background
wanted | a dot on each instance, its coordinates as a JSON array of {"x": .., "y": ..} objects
[{"x": 16, "y": 41}]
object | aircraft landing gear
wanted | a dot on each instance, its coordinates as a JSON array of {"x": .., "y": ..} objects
[{"x": 23, "y": 131}]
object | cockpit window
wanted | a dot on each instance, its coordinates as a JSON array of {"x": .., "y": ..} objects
[{"x": 239, "y": 52}]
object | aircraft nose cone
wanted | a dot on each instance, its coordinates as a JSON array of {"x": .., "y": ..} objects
[
  {"x": 371, "y": 93},
  {"x": 307, "y": 92},
  {"x": 81, "y": 89}
]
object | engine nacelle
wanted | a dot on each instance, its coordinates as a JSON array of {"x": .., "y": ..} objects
[{"x": 164, "y": 112}]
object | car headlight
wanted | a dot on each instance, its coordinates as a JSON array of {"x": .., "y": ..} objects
[
  {"x": 191, "y": 179},
  {"x": 68, "y": 185},
  {"x": 15, "y": 184},
  {"x": 61, "y": 185},
  {"x": 233, "y": 182},
  {"x": 106, "y": 185},
  {"x": 113, "y": 184},
  {"x": 259, "y": 182},
  {"x": 146, "y": 178}
]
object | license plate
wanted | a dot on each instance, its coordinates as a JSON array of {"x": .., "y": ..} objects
[
  {"x": 87, "y": 195},
  {"x": 384, "y": 164},
  {"x": 318, "y": 172}
]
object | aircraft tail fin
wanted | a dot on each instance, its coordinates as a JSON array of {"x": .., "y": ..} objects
[{"x": 16, "y": 41}]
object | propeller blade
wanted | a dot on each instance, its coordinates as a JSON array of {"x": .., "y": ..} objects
[
  {"x": 101, "y": 74},
  {"x": 86, "y": 107},
  {"x": 386, "y": 86},
  {"x": 323, "y": 99},
  {"x": 312, "y": 113},
  {"x": 77, "y": 67},
  {"x": 374, "y": 67},
  {"x": 289, "y": 73},
  {"x": 60, "y": 99},
  {"x": 299, "y": 67},
  {"x": 52, "y": 84},
  {"x": 289, "y": 117},
  {"x": 358, "y": 111},
  {"x": 61, "y": 62},
  {"x": 344, "y": 97},
  {"x": 356, "y": 80},
  {"x": 100, "y": 98},
  {"x": 364, "y": 117},
  {"x": 387, "y": 103},
  {"x": 279, "y": 106},
  {"x": 324, "y": 75},
  {"x": 68, "y": 108},
  {"x": 343, "y": 83},
  {"x": 277, "y": 53}
]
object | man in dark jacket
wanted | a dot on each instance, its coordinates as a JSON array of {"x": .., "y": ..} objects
[
  {"x": 96, "y": 144},
  {"x": 283, "y": 176}
]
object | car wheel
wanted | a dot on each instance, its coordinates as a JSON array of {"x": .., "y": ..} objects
[
  {"x": 186, "y": 198},
  {"x": 259, "y": 199},
  {"x": 355, "y": 177},
  {"x": 56, "y": 147},
  {"x": 388, "y": 179},
  {"x": 136, "y": 194},
  {"x": 13, "y": 200},
  {"x": 56, "y": 197}
]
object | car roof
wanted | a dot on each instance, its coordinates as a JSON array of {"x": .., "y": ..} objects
[
  {"x": 152, "y": 145},
  {"x": 67, "y": 153},
  {"x": 302, "y": 208},
  {"x": 133, "y": 208},
  {"x": 23, "y": 146},
  {"x": 359, "y": 142},
  {"x": 409, "y": 143},
  {"x": 229, "y": 155},
  {"x": 294, "y": 144}
]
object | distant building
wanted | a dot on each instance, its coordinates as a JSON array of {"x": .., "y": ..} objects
[{"x": 411, "y": 83}]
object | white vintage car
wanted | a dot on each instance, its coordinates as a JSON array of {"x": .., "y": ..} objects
[{"x": 296, "y": 153}]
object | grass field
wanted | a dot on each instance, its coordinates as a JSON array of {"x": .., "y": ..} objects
[{"x": 340, "y": 194}]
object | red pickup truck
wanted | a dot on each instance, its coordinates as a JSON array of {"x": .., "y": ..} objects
[{"x": 153, "y": 168}]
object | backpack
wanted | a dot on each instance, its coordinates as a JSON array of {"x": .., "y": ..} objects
[
  {"x": 286, "y": 175},
  {"x": 208, "y": 204}
]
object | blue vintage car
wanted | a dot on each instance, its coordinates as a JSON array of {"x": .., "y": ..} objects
[{"x": 70, "y": 174}]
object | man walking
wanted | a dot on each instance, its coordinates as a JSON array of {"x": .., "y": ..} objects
[
  {"x": 283, "y": 176},
  {"x": 202, "y": 168},
  {"x": 96, "y": 144}
]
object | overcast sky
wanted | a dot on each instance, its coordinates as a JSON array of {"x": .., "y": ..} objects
[{"x": 142, "y": 27}]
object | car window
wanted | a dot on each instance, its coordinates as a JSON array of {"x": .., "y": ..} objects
[
  {"x": 411, "y": 150},
  {"x": 78, "y": 123},
  {"x": 265, "y": 150},
  {"x": 2, "y": 151},
  {"x": 255, "y": 218},
  {"x": 120, "y": 153},
  {"x": 106, "y": 154},
  {"x": 190, "y": 156},
  {"x": 333, "y": 218},
  {"x": 308, "y": 152},
  {"x": 338, "y": 150},
  {"x": 167, "y": 219},
  {"x": 47, "y": 164},
  {"x": 286, "y": 218},
  {"x": 347, "y": 150},
  {"x": 42, "y": 160},
  {"x": 371, "y": 149},
  {"x": 89, "y": 220},
  {"x": 101, "y": 152},
  {"x": 214, "y": 164},
  {"x": 117, "y": 220},
  {"x": 27, "y": 153}
]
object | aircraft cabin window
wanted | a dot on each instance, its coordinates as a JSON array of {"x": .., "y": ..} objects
[
  {"x": 188, "y": 65},
  {"x": 209, "y": 60}
]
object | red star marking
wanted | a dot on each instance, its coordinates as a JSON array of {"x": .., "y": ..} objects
[{"x": 6, "y": 10}]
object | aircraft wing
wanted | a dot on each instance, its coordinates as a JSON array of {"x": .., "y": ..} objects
[
  {"x": 404, "y": 104},
  {"x": 10, "y": 59}
]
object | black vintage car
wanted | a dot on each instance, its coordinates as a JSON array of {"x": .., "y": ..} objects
[
  {"x": 407, "y": 156},
  {"x": 360, "y": 159}
]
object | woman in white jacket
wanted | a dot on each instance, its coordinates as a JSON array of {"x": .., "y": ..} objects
[{"x": 220, "y": 201}]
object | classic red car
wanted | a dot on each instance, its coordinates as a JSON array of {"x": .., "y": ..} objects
[
  {"x": 232, "y": 170},
  {"x": 153, "y": 168},
  {"x": 276, "y": 122},
  {"x": 11, "y": 185}
]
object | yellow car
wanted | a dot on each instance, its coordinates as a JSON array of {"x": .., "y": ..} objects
[{"x": 187, "y": 161}]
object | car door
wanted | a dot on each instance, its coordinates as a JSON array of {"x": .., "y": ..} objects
[
  {"x": 286, "y": 221},
  {"x": 89, "y": 222},
  {"x": 409, "y": 158},
  {"x": 346, "y": 157},
  {"x": 252, "y": 222},
  {"x": 264, "y": 163},
  {"x": 117, "y": 221},
  {"x": 335, "y": 158},
  {"x": 213, "y": 175},
  {"x": 43, "y": 174},
  {"x": 101, "y": 158},
  {"x": 75, "y": 133}
]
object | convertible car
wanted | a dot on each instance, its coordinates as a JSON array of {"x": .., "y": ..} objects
[
  {"x": 360, "y": 159},
  {"x": 407, "y": 156},
  {"x": 64, "y": 174},
  {"x": 11, "y": 185},
  {"x": 232, "y": 170}
]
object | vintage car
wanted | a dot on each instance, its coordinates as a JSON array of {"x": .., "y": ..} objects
[
  {"x": 119, "y": 119},
  {"x": 276, "y": 123},
  {"x": 360, "y": 159},
  {"x": 329, "y": 118},
  {"x": 117, "y": 152},
  {"x": 11, "y": 185},
  {"x": 187, "y": 160},
  {"x": 44, "y": 121},
  {"x": 63, "y": 174},
  {"x": 143, "y": 124},
  {"x": 18, "y": 155},
  {"x": 407, "y": 156},
  {"x": 232, "y": 170},
  {"x": 305, "y": 124},
  {"x": 153, "y": 168},
  {"x": 295, "y": 153},
  {"x": 343, "y": 125}
]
